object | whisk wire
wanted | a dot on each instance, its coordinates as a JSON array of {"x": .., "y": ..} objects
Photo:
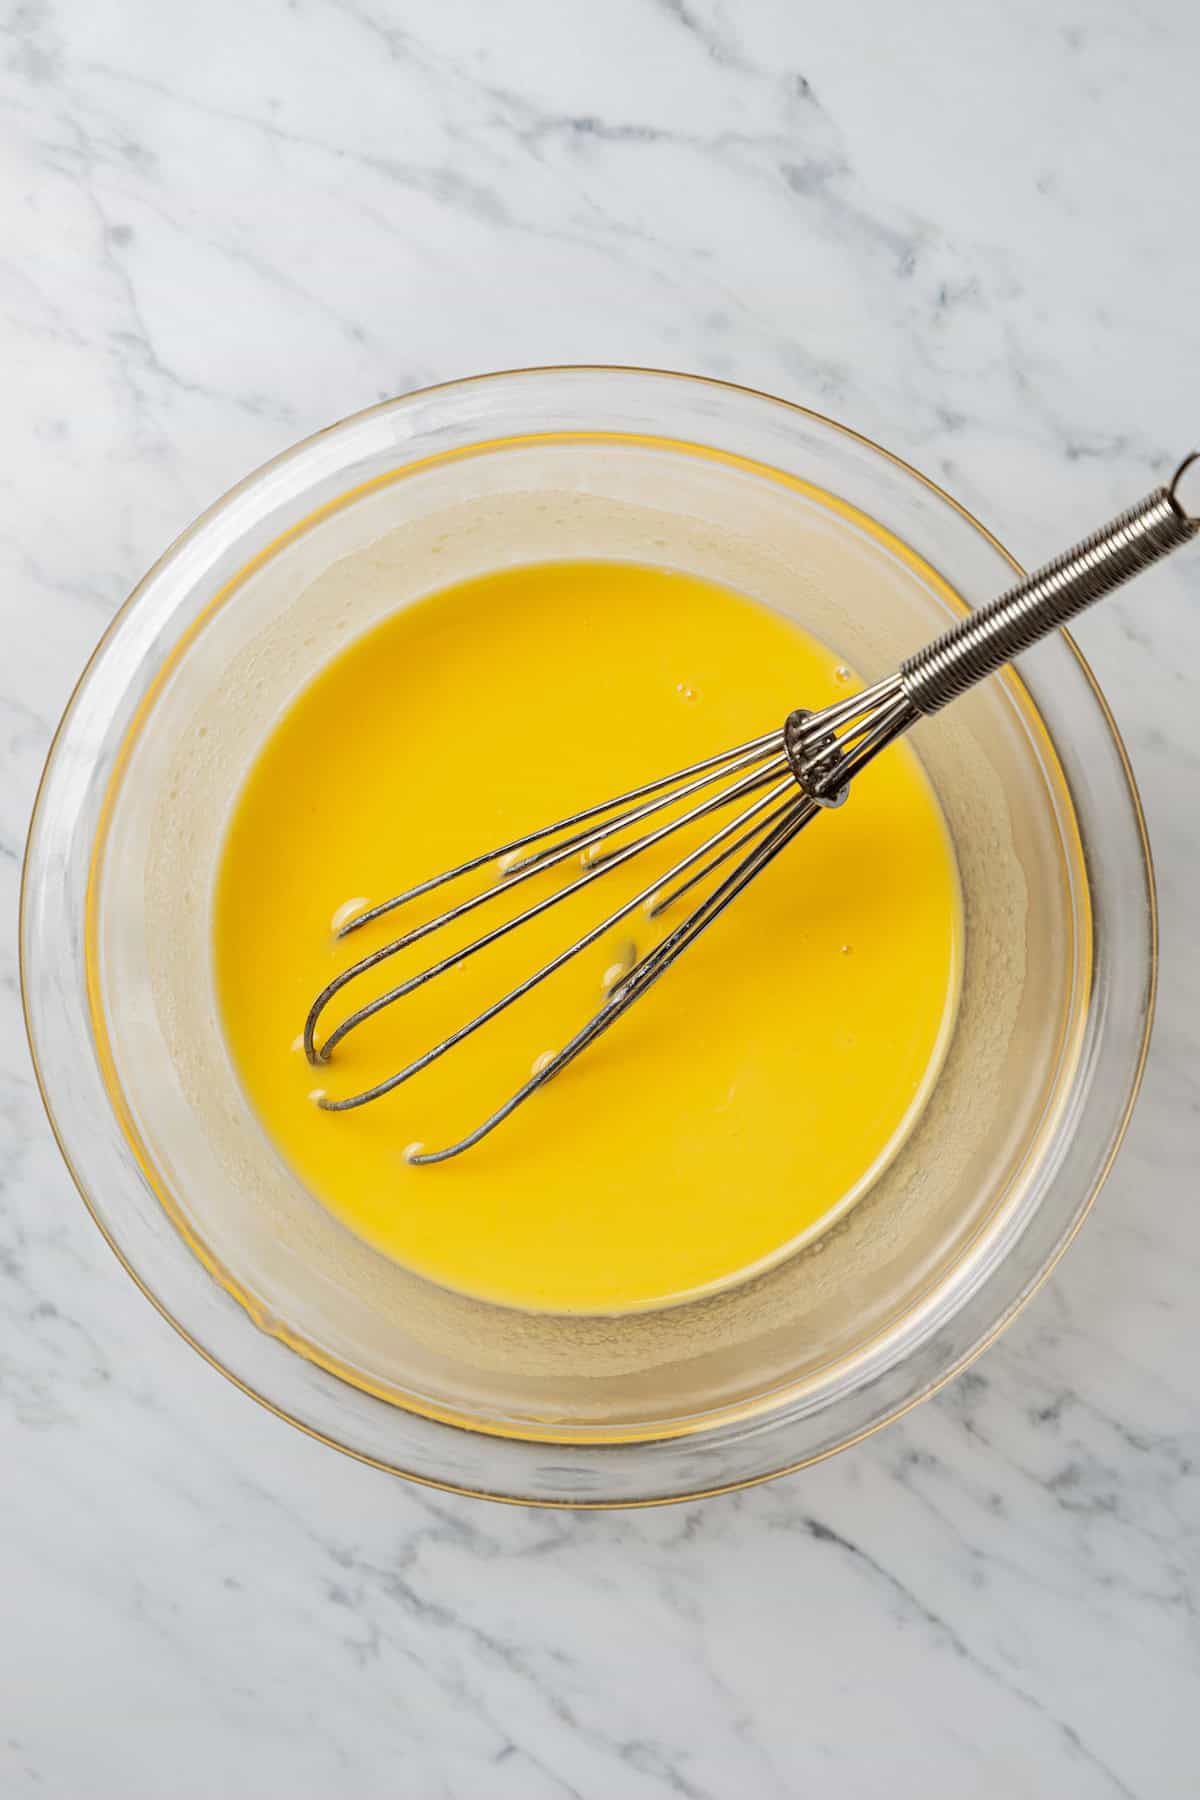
[
  {"x": 817, "y": 754},
  {"x": 658, "y": 907},
  {"x": 770, "y": 765},
  {"x": 547, "y": 969},
  {"x": 642, "y": 976},
  {"x": 768, "y": 741}
]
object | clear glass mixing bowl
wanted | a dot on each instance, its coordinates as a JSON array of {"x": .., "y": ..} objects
[{"x": 1028, "y": 1110}]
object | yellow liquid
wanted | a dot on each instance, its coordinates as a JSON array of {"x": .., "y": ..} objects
[{"x": 745, "y": 1098}]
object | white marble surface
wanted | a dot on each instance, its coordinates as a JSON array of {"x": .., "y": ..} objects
[{"x": 970, "y": 232}]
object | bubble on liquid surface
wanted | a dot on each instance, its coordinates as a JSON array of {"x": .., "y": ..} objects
[
  {"x": 619, "y": 968},
  {"x": 842, "y": 674},
  {"x": 686, "y": 691},
  {"x": 349, "y": 909}
]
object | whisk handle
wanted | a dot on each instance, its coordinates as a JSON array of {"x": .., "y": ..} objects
[{"x": 993, "y": 635}]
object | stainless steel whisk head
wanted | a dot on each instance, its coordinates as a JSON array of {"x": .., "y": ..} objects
[{"x": 763, "y": 792}]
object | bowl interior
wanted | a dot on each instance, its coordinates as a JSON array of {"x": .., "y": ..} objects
[
  {"x": 810, "y": 1321},
  {"x": 1031, "y": 1098}
]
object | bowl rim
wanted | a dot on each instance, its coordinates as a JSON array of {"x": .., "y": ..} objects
[{"x": 297, "y": 450}]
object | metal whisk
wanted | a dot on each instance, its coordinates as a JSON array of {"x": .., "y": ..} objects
[{"x": 775, "y": 784}]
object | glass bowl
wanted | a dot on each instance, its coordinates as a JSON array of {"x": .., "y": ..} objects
[{"x": 776, "y": 1371}]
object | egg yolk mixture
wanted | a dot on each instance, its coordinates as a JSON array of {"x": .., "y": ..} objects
[{"x": 746, "y": 1098}]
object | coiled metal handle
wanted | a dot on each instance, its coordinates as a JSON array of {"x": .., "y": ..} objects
[
  {"x": 991, "y": 637},
  {"x": 827, "y": 748}
]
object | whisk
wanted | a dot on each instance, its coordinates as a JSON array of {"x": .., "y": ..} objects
[{"x": 767, "y": 790}]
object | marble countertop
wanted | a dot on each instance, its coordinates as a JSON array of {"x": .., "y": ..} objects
[{"x": 962, "y": 230}]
